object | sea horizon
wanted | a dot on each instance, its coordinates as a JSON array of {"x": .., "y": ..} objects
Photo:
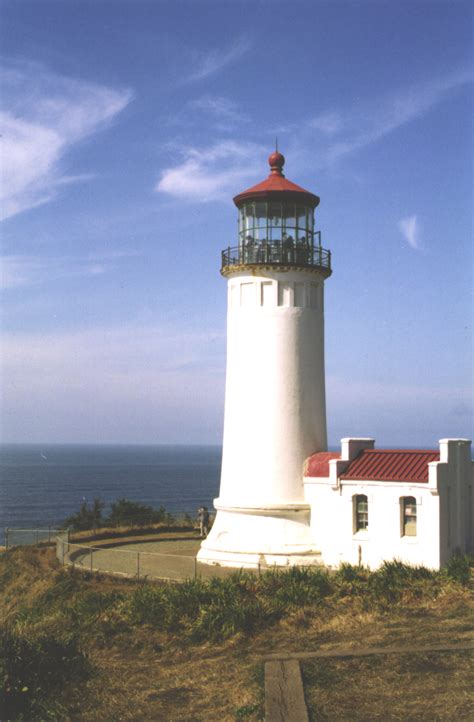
[{"x": 41, "y": 484}]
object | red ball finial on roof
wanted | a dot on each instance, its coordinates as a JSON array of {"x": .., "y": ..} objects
[{"x": 276, "y": 161}]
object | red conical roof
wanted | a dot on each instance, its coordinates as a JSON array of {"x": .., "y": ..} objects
[{"x": 276, "y": 187}]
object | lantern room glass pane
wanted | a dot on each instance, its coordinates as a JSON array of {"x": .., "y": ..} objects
[
  {"x": 274, "y": 222},
  {"x": 289, "y": 218},
  {"x": 261, "y": 214},
  {"x": 301, "y": 218},
  {"x": 249, "y": 218},
  {"x": 274, "y": 215},
  {"x": 241, "y": 220}
]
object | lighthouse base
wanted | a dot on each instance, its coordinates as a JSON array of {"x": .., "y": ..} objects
[{"x": 264, "y": 536}]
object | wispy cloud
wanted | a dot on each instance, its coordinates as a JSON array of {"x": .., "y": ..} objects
[
  {"x": 411, "y": 231},
  {"x": 212, "y": 62},
  {"x": 22, "y": 270},
  {"x": 45, "y": 115},
  {"x": 210, "y": 173},
  {"x": 220, "y": 114},
  {"x": 221, "y": 108},
  {"x": 376, "y": 118},
  {"x": 328, "y": 123}
]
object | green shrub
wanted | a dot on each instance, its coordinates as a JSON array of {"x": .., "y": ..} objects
[
  {"x": 130, "y": 513},
  {"x": 34, "y": 671},
  {"x": 88, "y": 517}
]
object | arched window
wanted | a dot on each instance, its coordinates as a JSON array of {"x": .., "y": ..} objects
[
  {"x": 361, "y": 509},
  {"x": 408, "y": 504}
]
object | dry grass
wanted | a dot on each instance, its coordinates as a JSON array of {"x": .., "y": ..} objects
[
  {"x": 142, "y": 673},
  {"x": 435, "y": 686}
]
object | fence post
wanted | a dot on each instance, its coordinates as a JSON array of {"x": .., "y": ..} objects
[
  {"x": 138, "y": 565},
  {"x": 92, "y": 552},
  {"x": 258, "y": 567},
  {"x": 6, "y": 537}
]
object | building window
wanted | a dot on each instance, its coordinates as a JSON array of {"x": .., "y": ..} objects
[
  {"x": 361, "y": 512},
  {"x": 408, "y": 516}
]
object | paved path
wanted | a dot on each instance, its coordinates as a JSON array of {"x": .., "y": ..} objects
[{"x": 170, "y": 558}]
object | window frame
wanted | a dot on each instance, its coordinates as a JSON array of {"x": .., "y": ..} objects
[
  {"x": 406, "y": 529},
  {"x": 360, "y": 517}
]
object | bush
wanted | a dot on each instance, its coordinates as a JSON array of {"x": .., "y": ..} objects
[
  {"x": 87, "y": 517},
  {"x": 130, "y": 513},
  {"x": 34, "y": 672}
]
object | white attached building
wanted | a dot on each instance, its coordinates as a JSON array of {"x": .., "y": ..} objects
[{"x": 370, "y": 505}]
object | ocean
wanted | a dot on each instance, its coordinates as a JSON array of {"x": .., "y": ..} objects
[{"x": 40, "y": 485}]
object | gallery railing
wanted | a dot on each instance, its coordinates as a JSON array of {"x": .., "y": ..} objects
[{"x": 277, "y": 253}]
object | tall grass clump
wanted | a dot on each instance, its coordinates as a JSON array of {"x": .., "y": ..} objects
[
  {"x": 394, "y": 582},
  {"x": 34, "y": 671},
  {"x": 169, "y": 607},
  {"x": 234, "y": 606},
  {"x": 350, "y": 580},
  {"x": 201, "y": 610},
  {"x": 298, "y": 586},
  {"x": 459, "y": 568}
]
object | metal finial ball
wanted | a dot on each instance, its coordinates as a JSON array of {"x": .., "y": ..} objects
[{"x": 276, "y": 161}]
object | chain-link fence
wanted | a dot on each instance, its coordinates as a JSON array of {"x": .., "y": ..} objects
[
  {"x": 20, "y": 537},
  {"x": 140, "y": 563},
  {"x": 171, "y": 557}
]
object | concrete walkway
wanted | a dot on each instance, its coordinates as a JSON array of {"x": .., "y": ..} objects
[{"x": 169, "y": 557}]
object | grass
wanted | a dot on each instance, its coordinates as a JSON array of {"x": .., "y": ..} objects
[
  {"x": 391, "y": 687},
  {"x": 189, "y": 651}
]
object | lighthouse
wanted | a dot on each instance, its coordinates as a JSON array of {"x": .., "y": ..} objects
[{"x": 275, "y": 408}]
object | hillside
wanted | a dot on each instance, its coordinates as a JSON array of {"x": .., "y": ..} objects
[{"x": 85, "y": 647}]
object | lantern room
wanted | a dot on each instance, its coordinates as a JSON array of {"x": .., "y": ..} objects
[{"x": 276, "y": 225}]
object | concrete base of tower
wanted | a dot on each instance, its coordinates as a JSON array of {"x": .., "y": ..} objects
[{"x": 270, "y": 535}]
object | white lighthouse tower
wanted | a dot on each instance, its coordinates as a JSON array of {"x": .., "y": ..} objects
[{"x": 275, "y": 409}]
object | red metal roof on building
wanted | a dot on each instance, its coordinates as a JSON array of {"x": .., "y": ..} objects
[
  {"x": 318, "y": 464},
  {"x": 390, "y": 465},
  {"x": 277, "y": 187}
]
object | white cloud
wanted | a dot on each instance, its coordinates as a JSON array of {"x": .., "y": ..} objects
[
  {"x": 212, "y": 173},
  {"x": 410, "y": 230},
  {"x": 207, "y": 64},
  {"x": 45, "y": 115}
]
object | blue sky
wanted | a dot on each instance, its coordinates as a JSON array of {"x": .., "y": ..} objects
[{"x": 127, "y": 128}]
